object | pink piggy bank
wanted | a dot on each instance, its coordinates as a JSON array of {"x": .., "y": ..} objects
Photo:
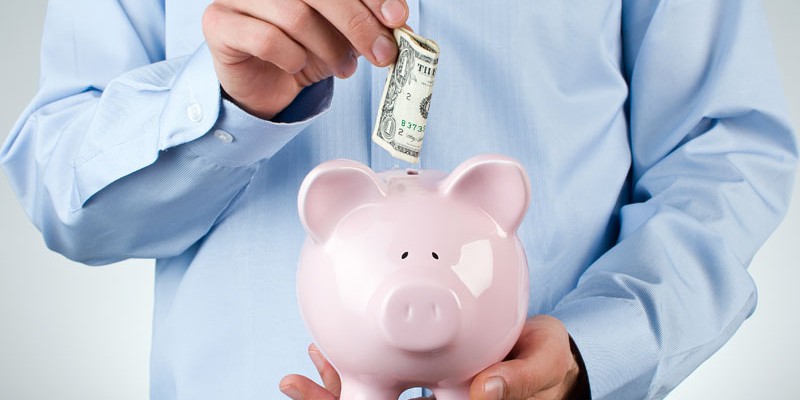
[{"x": 413, "y": 278}]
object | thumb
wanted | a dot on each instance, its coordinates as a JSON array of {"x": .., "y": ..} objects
[
  {"x": 510, "y": 380},
  {"x": 540, "y": 364}
]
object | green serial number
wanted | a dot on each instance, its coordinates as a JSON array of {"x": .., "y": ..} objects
[{"x": 412, "y": 126}]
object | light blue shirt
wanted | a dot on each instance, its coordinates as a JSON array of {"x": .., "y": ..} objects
[{"x": 654, "y": 133}]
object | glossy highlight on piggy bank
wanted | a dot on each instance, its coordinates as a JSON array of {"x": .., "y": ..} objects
[{"x": 413, "y": 278}]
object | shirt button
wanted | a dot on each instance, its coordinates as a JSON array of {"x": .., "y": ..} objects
[
  {"x": 195, "y": 112},
  {"x": 223, "y": 136}
]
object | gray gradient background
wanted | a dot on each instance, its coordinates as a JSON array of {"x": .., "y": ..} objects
[{"x": 69, "y": 331}]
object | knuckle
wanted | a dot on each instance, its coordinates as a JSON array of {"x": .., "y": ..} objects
[
  {"x": 299, "y": 17},
  {"x": 316, "y": 71},
  {"x": 264, "y": 42},
  {"x": 295, "y": 64},
  {"x": 361, "y": 23},
  {"x": 211, "y": 17},
  {"x": 267, "y": 45}
]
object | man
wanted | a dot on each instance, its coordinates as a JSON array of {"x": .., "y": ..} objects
[{"x": 658, "y": 150}]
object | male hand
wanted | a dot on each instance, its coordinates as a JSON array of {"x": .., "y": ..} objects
[
  {"x": 541, "y": 366},
  {"x": 266, "y": 51}
]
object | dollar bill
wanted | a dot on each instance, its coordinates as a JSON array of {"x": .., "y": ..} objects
[{"x": 403, "y": 110}]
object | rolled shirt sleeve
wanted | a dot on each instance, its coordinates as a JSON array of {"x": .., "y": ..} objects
[{"x": 116, "y": 132}]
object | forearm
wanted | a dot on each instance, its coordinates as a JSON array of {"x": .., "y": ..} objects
[
  {"x": 675, "y": 287},
  {"x": 713, "y": 162},
  {"x": 132, "y": 198},
  {"x": 131, "y": 167}
]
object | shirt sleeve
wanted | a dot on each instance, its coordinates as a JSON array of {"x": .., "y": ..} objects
[
  {"x": 713, "y": 166},
  {"x": 125, "y": 154}
]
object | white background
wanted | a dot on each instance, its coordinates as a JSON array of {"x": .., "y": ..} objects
[{"x": 69, "y": 331}]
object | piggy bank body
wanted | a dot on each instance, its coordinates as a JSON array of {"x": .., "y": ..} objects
[{"x": 413, "y": 278}]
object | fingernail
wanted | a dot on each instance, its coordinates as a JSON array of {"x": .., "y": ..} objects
[
  {"x": 292, "y": 392},
  {"x": 383, "y": 49},
  {"x": 494, "y": 388},
  {"x": 349, "y": 67},
  {"x": 393, "y": 11}
]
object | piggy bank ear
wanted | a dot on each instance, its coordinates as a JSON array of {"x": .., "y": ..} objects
[
  {"x": 496, "y": 184},
  {"x": 331, "y": 191}
]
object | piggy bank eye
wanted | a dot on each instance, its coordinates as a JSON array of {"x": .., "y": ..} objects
[
  {"x": 404, "y": 255},
  {"x": 436, "y": 256}
]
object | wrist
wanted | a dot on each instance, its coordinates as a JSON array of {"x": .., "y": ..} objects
[
  {"x": 267, "y": 114},
  {"x": 580, "y": 388}
]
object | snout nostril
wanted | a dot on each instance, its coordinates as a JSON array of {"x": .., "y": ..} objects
[
  {"x": 409, "y": 315},
  {"x": 436, "y": 312},
  {"x": 420, "y": 317}
]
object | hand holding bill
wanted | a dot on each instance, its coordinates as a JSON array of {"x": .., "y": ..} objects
[{"x": 266, "y": 52}]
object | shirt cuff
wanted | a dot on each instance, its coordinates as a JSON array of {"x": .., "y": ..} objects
[
  {"x": 615, "y": 343},
  {"x": 193, "y": 104},
  {"x": 239, "y": 139}
]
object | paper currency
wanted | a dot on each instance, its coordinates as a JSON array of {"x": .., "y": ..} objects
[{"x": 403, "y": 111}]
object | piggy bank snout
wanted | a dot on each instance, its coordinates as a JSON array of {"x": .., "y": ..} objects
[{"x": 420, "y": 317}]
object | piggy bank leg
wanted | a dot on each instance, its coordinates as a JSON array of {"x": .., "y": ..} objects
[
  {"x": 452, "y": 393},
  {"x": 353, "y": 389}
]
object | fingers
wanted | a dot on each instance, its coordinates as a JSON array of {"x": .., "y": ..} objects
[
  {"x": 236, "y": 37},
  {"x": 391, "y": 13},
  {"x": 266, "y": 51},
  {"x": 366, "y": 25},
  {"x": 334, "y": 31},
  {"x": 515, "y": 379},
  {"x": 297, "y": 23},
  {"x": 299, "y": 387},
  {"x": 542, "y": 367},
  {"x": 330, "y": 378}
]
